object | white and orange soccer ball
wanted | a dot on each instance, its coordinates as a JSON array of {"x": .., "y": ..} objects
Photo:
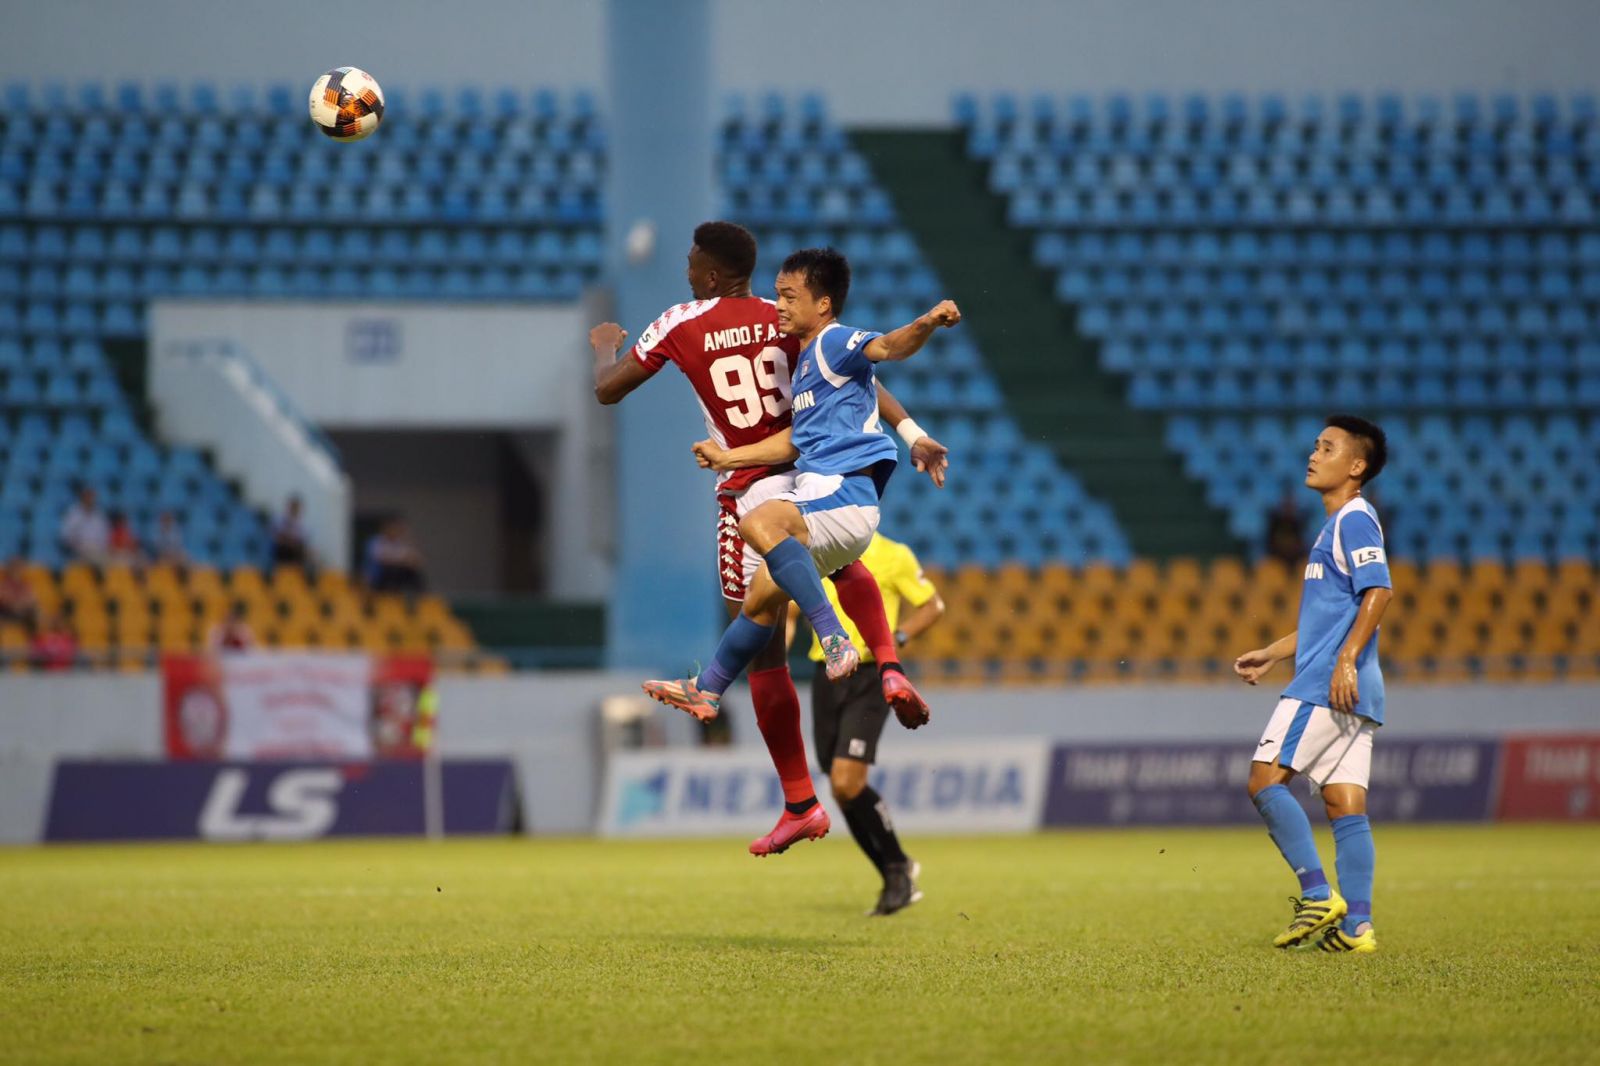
[{"x": 347, "y": 104}]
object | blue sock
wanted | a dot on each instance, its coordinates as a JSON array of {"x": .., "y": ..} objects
[
  {"x": 1291, "y": 831},
  {"x": 741, "y": 642},
  {"x": 1356, "y": 859},
  {"x": 790, "y": 565}
]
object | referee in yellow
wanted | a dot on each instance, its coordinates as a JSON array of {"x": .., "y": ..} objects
[{"x": 847, "y": 716}]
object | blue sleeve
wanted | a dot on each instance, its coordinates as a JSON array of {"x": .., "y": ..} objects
[
  {"x": 1362, "y": 543},
  {"x": 845, "y": 350}
]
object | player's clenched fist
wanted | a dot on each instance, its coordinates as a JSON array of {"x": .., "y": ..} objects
[
  {"x": 946, "y": 313},
  {"x": 708, "y": 454},
  {"x": 607, "y": 337}
]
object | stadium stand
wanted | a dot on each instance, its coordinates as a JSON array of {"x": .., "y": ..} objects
[
  {"x": 1240, "y": 264},
  {"x": 1234, "y": 266},
  {"x": 121, "y": 616},
  {"x": 1244, "y": 267},
  {"x": 110, "y": 199},
  {"x": 793, "y": 177}
]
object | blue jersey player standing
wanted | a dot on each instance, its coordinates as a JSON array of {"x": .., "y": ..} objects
[
  {"x": 828, "y": 518},
  {"x": 1324, "y": 724}
]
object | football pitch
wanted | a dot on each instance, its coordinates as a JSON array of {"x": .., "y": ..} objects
[{"x": 1138, "y": 946}]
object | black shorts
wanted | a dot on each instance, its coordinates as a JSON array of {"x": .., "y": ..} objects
[{"x": 847, "y": 716}]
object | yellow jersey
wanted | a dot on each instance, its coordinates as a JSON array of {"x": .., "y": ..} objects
[{"x": 900, "y": 579}]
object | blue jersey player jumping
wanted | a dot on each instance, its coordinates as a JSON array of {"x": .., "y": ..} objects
[
  {"x": 827, "y": 519},
  {"x": 1324, "y": 724}
]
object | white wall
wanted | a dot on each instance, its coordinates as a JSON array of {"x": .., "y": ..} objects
[
  {"x": 893, "y": 61},
  {"x": 879, "y": 60},
  {"x": 389, "y": 366},
  {"x": 428, "y": 366}
]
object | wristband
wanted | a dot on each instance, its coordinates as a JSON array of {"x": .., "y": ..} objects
[{"x": 909, "y": 431}]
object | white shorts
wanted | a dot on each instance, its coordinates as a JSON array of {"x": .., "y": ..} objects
[
  {"x": 737, "y": 562},
  {"x": 1326, "y": 747},
  {"x": 841, "y": 515}
]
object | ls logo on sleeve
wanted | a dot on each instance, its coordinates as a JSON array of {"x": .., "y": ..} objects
[
  {"x": 1366, "y": 556},
  {"x": 855, "y": 339}
]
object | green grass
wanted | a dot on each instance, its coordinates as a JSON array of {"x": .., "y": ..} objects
[{"x": 1148, "y": 946}]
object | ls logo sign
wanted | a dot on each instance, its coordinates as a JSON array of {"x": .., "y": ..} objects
[{"x": 300, "y": 806}]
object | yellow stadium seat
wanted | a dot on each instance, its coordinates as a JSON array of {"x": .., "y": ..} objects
[
  {"x": 1097, "y": 577},
  {"x": 433, "y": 608},
  {"x": 78, "y": 576},
  {"x": 246, "y": 582},
  {"x": 1141, "y": 575},
  {"x": 1445, "y": 574},
  {"x": 1531, "y": 575},
  {"x": 1012, "y": 577},
  {"x": 45, "y": 590},
  {"x": 332, "y": 583},
  {"x": 204, "y": 579},
  {"x": 13, "y": 636},
  {"x": 161, "y": 576},
  {"x": 120, "y": 577},
  {"x": 1055, "y": 579},
  {"x": 1225, "y": 575},
  {"x": 1488, "y": 575},
  {"x": 289, "y": 578},
  {"x": 1182, "y": 575}
]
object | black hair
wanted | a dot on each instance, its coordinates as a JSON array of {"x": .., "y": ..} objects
[
  {"x": 827, "y": 273},
  {"x": 1374, "y": 444},
  {"x": 730, "y": 245}
]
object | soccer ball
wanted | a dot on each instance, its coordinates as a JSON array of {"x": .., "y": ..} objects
[{"x": 346, "y": 104}]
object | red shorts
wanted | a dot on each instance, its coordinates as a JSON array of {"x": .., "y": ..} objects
[{"x": 737, "y": 563}]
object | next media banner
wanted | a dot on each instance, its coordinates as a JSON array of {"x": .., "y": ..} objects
[{"x": 995, "y": 786}]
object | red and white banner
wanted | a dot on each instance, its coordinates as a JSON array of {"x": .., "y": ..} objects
[
  {"x": 1550, "y": 778},
  {"x": 291, "y": 705}
]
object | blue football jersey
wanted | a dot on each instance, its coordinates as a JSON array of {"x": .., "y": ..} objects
[
  {"x": 836, "y": 426},
  {"x": 1346, "y": 560}
]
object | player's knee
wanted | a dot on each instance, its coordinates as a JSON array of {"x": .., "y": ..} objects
[
  {"x": 770, "y": 523},
  {"x": 758, "y": 532},
  {"x": 1344, "y": 800},
  {"x": 847, "y": 782}
]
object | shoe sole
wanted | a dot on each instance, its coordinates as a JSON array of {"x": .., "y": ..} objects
[
  {"x": 1288, "y": 940},
  {"x": 690, "y": 711},
  {"x": 910, "y": 709}
]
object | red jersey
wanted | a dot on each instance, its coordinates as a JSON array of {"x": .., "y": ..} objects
[{"x": 739, "y": 364}]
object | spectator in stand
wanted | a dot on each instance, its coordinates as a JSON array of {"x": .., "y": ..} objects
[
  {"x": 122, "y": 547},
  {"x": 394, "y": 563},
  {"x": 1286, "y": 531},
  {"x": 54, "y": 647},
  {"x": 169, "y": 541},
  {"x": 17, "y": 601},
  {"x": 85, "y": 533},
  {"x": 289, "y": 546},
  {"x": 232, "y": 633}
]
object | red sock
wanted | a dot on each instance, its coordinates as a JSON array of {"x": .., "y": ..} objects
[
  {"x": 778, "y": 716},
  {"x": 863, "y": 602}
]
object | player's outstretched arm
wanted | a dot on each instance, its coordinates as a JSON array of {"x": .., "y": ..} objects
[
  {"x": 769, "y": 451},
  {"x": 1344, "y": 693},
  {"x": 920, "y": 619},
  {"x": 906, "y": 341},
  {"x": 614, "y": 378},
  {"x": 927, "y": 455},
  {"x": 1252, "y": 666}
]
